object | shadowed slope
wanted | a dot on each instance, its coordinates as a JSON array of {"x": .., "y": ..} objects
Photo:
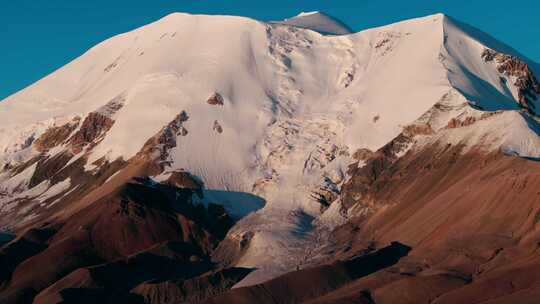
[{"x": 302, "y": 285}]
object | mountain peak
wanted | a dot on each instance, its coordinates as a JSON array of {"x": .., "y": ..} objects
[
  {"x": 303, "y": 14},
  {"x": 319, "y": 22}
]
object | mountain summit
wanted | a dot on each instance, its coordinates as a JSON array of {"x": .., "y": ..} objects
[
  {"x": 396, "y": 162},
  {"x": 319, "y": 22}
]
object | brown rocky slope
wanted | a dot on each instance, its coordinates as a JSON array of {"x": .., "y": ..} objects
[
  {"x": 469, "y": 213},
  {"x": 142, "y": 231}
]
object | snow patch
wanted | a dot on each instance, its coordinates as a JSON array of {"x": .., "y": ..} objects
[{"x": 55, "y": 190}]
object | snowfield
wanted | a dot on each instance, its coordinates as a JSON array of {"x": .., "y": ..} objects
[
  {"x": 319, "y": 22},
  {"x": 300, "y": 96}
]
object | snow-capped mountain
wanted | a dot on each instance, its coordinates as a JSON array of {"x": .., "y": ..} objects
[
  {"x": 319, "y": 22},
  {"x": 273, "y": 119}
]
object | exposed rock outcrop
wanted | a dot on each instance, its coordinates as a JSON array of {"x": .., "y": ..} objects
[
  {"x": 192, "y": 290},
  {"x": 524, "y": 78},
  {"x": 49, "y": 167},
  {"x": 216, "y": 99},
  {"x": 140, "y": 232},
  {"x": 362, "y": 154},
  {"x": 374, "y": 174},
  {"x": 217, "y": 127},
  {"x": 93, "y": 127},
  {"x": 185, "y": 180},
  {"x": 418, "y": 129},
  {"x": 325, "y": 195},
  {"x": 55, "y": 136},
  {"x": 469, "y": 120},
  {"x": 157, "y": 147}
]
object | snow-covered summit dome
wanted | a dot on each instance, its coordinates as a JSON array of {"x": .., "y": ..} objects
[{"x": 319, "y": 22}]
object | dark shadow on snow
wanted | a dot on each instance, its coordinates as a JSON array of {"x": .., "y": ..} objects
[
  {"x": 497, "y": 100},
  {"x": 237, "y": 204}
]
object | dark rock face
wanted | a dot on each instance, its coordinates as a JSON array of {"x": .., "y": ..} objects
[
  {"x": 216, "y": 100},
  {"x": 185, "y": 180},
  {"x": 165, "y": 261},
  {"x": 362, "y": 154},
  {"x": 417, "y": 129},
  {"x": 157, "y": 148},
  {"x": 55, "y": 136},
  {"x": 67, "y": 140},
  {"x": 217, "y": 127},
  {"x": 58, "y": 260},
  {"x": 469, "y": 120},
  {"x": 325, "y": 196},
  {"x": 193, "y": 290},
  {"x": 5, "y": 238},
  {"x": 48, "y": 167},
  {"x": 13, "y": 253},
  {"x": 113, "y": 106},
  {"x": 93, "y": 126},
  {"x": 304, "y": 285},
  {"x": 374, "y": 174},
  {"x": 141, "y": 214},
  {"x": 525, "y": 80},
  {"x": 142, "y": 231}
]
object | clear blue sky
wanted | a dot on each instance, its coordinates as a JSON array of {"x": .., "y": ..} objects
[{"x": 39, "y": 36}]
